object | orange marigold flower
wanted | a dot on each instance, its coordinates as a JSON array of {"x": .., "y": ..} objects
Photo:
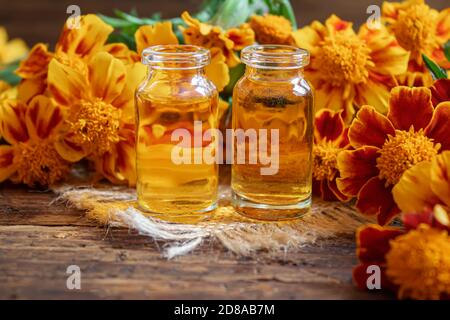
[
  {"x": 100, "y": 113},
  {"x": 271, "y": 29},
  {"x": 418, "y": 262},
  {"x": 74, "y": 46},
  {"x": 349, "y": 69},
  {"x": 425, "y": 184},
  {"x": 419, "y": 29},
  {"x": 386, "y": 146},
  {"x": 330, "y": 138},
  {"x": 30, "y": 130},
  {"x": 414, "y": 262},
  {"x": 209, "y": 36}
]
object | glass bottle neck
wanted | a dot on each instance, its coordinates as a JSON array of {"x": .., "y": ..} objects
[
  {"x": 264, "y": 74},
  {"x": 174, "y": 73}
]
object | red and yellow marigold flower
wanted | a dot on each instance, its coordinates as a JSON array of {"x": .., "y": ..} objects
[
  {"x": 386, "y": 146},
  {"x": 440, "y": 91},
  {"x": 349, "y": 69},
  {"x": 11, "y": 50},
  {"x": 100, "y": 124},
  {"x": 30, "y": 157},
  {"x": 271, "y": 29},
  {"x": 419, "y": 29},
  {"x": 425, "y": 184},
  {"x": 330, "y": 138},
  {"x": 74, "y": 47},
  {"x": 414, "y": 262},
  {"x": 209, "y": 36}
]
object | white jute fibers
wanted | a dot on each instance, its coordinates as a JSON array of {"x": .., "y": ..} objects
[{"x": 115, "y": 206}]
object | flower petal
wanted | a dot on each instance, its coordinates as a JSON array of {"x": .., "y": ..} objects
[
  {"x": 440, "y": 91},
  {"x": 329, "y": 125},
  {"x": 387, "y": 55},
  {"x": 375, "y": 92},
  {"x": 29, "y": 88},
  {"x": 135, "y": 75},
  {"x": 157, "y": 34},
  {"x": 85, "y": 40},
  {"x": 121, "y": 52},
  {"x": 42, "y": 117},
  {"x": 107, "y": 76},
  {"x": 376, "y": 199},
  {"x": 410, "y": 107},
  {"x": 373, "y": 242},
  {"x": 36, "y": 64},
  {"x": 241, "y": 37},
  {"x": 66, "y": 84},
  {"x": 12, "y": 121},
  {"x": 6, "y": 162},
  {"x": 337, "y": 193},
  {"x": 440, "y": 177},
  {"x": 369, "y": 128},
  {"x": 413, "y": 191},
  {"x": 69, "y": 151},
  {"x": 439, "y": 127},
  {"x": 217, "y": 70},
  {"x": 356, "y": 167},
  {"x": 334, "y": 98},
  {"x": 335, "y": 24},
  {"x": 443, "y": 25}
]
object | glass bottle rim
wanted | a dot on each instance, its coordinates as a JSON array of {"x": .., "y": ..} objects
[
  {"x": 176, "y": 57},
  {"x": 273, "y": 56}
]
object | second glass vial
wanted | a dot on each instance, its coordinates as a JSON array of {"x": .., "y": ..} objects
[{"x": 273, "y": 110}]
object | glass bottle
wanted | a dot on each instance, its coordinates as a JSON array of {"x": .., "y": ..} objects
[
  {"x": 272, "y": 95},
  {"x": 175, "y": 106}
]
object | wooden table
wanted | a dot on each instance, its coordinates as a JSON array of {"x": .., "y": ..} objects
[{"x": 38, "y": 241}]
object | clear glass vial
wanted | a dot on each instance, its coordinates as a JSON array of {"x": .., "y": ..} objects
[
  {"x": 273, "y": 94},
  {"x": 175, "y": 106}
]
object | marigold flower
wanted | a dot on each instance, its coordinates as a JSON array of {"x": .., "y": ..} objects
[
  {"x": 209, "y": 36},
  {"x": 418, "y": 262},
  {"x": 74, "y": 47},
  {"x": 100, "y": 113},
  {"x": 419, "y": 29},
  {"x": 330, "y": 138},
  {"x": 11, "y": 50},
  {"x": 386, "y": 146},
  {"x": 272, "y": 29},
  {"x": 414, "y": 262},
  {"x": 425, "y": 184},
  {"x": 161, "y": 33},
  {"x": 349, "y": 69},
  {"x": 30, "y": 156}
]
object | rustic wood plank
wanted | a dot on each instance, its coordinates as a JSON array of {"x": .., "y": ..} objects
[
  {"x": 38, "y": 241},
  {"x": 117, "y": 264}
]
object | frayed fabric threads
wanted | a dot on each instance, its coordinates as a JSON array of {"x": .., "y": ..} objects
[{"x": 116, "y": 207}]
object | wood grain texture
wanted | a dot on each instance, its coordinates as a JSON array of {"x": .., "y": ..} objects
[{"x": 39, "y": 241}]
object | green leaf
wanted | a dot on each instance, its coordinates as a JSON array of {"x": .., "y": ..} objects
[
  {"x": 114, "y": 22},
  {"x": 7, "y": 73},
  {"x": 447, "y": 50},
  {"x": 436, "y": 71},
  {"x": 231, "y": 13}
]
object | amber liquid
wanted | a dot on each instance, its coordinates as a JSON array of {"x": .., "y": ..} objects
[
  {"x": 164, "y": 186},
  {"x": 274, "y": 105}
]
